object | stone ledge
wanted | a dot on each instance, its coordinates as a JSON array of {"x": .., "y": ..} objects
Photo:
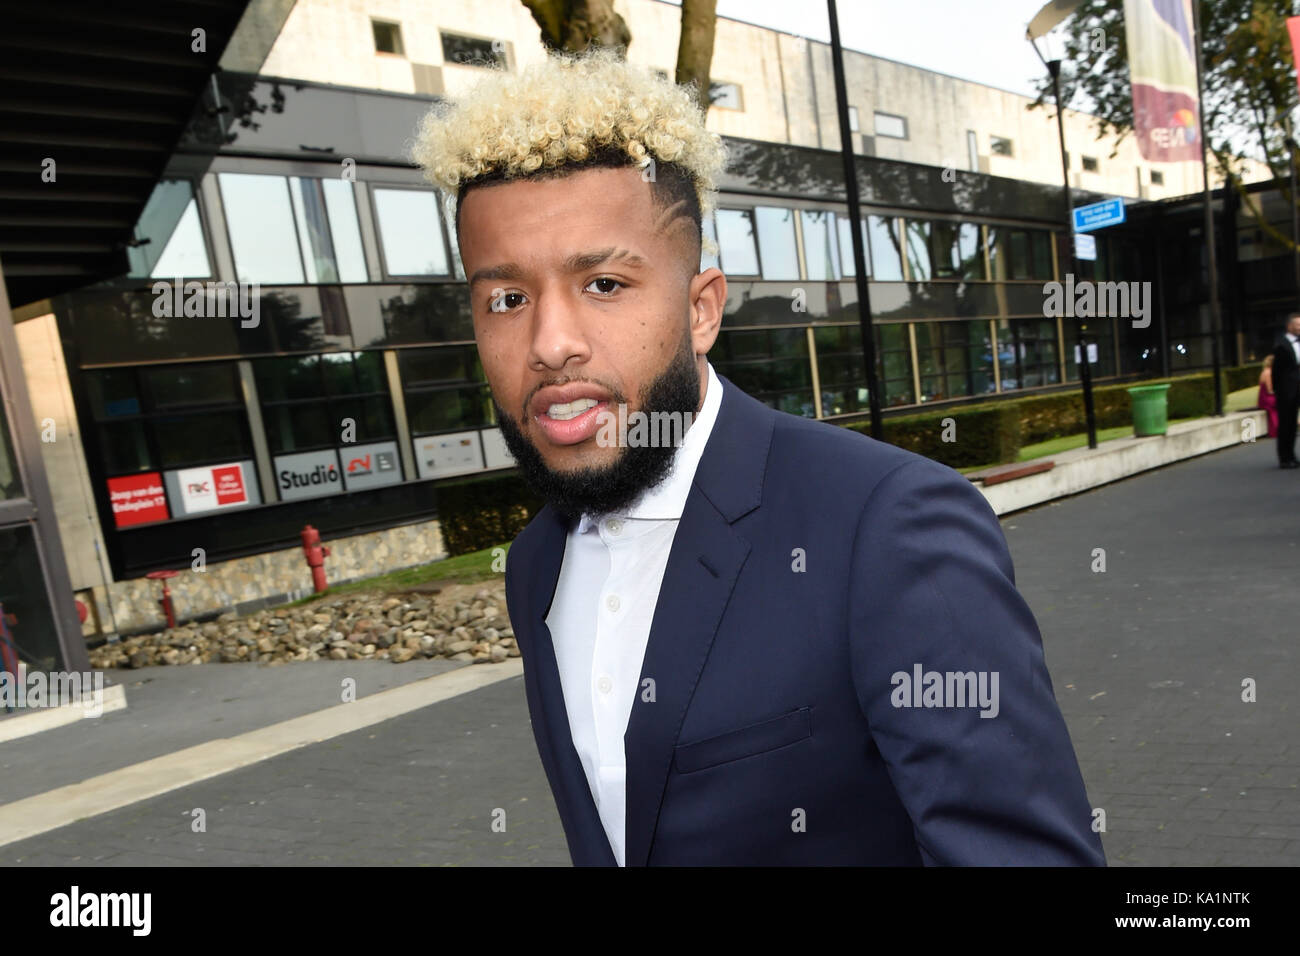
[{"x": 1085, "y": 468}]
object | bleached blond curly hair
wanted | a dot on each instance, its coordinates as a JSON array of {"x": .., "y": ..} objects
[{"x": 561, "y": 111}]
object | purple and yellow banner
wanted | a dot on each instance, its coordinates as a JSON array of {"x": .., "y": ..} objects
[{"x": 1162, "y": 65}]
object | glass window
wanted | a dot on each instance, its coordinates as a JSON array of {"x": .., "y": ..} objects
[
  {"x": 285, "y": 379},
  {"x": 1027, "y": 353},
  {"x": 1020, "y": 254},
  {"x": 1090, "y": 164},
  {"x": 853, "y": 119},
  {"x": 737, "y": 252},
  {"x": 450, "y": 409},
  {"x": 11, "y": 482},
  {"x": 410, "y": 232},
  {"x": 955, "y": 251},
  {"x": 341, "y": 207},
  {"x": 180, "y": 385},
  {"x": 845, "y": 242},
  {"x": 313, "y": 231},
  {"x": 24, "y": 596},
  {"x": 445, "y": 389},
  {"x": 955, "y": 359},
  {"x": 886, "y": 257},
  {"x": 919, "y": 266},
  {"x": 1001, "y": 146},
  {"x": 973, "y": 151},
  {"x": 263, "y": 234},
  {"x": 185, "y": 440},
  {"x": 168, "y": 416},
  {"x": 175, "y": 246},
  {"x": 820, "y": 244},
  {"x": 726, "y": 96},
  {"x": 307, "y": 399},
  {"x": 185, "y": 255},
  {"x": 887, "y": 124},
  {"x": 124, "y": 447},
  {"x": 771, "y": 365},
  {"x": 114, "y": 393},
  {"x": 388, "y": 37},
  {"x": 776, "y": 242},
  {"x": 708, "y": 260},
  {"x": 472, "y": 51}
]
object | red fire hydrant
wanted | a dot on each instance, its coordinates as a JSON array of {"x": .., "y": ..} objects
[
  {"x": 316, "y": 556},
  {"x": 166, "y": 603}
]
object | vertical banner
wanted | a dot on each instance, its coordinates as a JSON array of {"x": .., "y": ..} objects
[
  {"x": 1162, "y": 66},
  {"x": 1293, "y": 28}
]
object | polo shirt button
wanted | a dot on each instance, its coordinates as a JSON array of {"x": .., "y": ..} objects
[
  {"x": 612, "y": 602},
  {"x": 605, "y": 685},
  {"x": 614, "y": 526}
]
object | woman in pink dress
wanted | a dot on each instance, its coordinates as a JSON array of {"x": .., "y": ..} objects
[{"x": 1267, "y": 400}]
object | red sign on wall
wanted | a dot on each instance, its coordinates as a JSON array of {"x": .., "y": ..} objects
[
  {"x": 138, "y": 499},
  {"x": 228, "y": 481}
]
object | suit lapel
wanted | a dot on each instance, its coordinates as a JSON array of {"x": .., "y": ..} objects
[
  {"x": 588, "y": 843},
  {"x": 703, "y": 565}
]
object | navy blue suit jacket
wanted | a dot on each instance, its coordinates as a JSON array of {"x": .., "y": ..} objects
[{"x": 775, "y": 732}]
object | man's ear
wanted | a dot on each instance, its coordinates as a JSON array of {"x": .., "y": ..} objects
[{"x": 708, "y": 297}]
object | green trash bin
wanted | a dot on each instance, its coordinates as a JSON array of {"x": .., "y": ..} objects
[{"x": 1150, "y": 409}]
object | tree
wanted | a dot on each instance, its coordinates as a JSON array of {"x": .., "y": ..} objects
[
  {"x": 573, "y": 26},
  {"x": 695, "y": 47},
  {"x": 1250, "y": 84}
]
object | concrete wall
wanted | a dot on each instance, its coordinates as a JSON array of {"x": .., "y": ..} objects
[
  {"x": 245, "y": 584},
  {"x": 61, "y": 450},
  {"x": 786, "y": 84}
]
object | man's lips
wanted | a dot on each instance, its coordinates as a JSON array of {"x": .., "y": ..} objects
[{"x": 556, "y": 398}]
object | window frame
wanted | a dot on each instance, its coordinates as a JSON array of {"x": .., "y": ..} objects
[
  {"x": 890, "y": 116},
  {"x": 381, "y": 247},
  {"x": 397, "y": 27}
]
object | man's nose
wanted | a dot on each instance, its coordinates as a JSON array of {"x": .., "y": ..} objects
[{"x": 558, "y": 335}]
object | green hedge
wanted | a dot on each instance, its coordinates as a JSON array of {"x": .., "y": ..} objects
[
  {"x": 978, "y": 434},
  {"x": 995, "y": 432},
  {"x": 477, "y": 513},
  {"x": 1242, "y": 376}
]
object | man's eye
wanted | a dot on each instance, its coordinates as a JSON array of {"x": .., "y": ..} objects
[
  {"x": 505, "y": 301},
  {"x": 605, "y": 285}
]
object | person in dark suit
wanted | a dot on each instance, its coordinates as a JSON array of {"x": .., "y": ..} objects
[
  {"x": 765, "y": 640},
  {"x": 1286, "y": 387}
]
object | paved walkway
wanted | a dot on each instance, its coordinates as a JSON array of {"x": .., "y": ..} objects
[{"x": 1200, "y": 591}]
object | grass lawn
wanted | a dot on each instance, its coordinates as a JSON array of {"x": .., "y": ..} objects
[
  {"x": 462, "y": 569},
  {"x": 1239, "y": 401}
]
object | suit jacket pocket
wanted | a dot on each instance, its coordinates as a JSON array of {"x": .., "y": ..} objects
[{"x": 746, "y": 742}]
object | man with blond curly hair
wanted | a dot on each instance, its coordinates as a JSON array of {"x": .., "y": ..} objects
[{"x": 767, "y": 640}]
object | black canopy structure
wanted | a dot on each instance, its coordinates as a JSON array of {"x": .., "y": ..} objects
[{"x": 93, "y": 99}]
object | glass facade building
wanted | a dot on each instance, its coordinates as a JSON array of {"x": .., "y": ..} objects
[{"x": 358, "y": 388}]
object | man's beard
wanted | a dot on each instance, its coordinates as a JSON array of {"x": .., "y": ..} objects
[{"x": 599, "y": 491}]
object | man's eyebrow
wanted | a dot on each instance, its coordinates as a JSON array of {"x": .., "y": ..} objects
[
  {"x": 507, "y": 271},
  {"x": 582, "y": 261}
]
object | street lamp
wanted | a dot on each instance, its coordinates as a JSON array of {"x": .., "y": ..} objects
[{"x": 1047, "y": 18}]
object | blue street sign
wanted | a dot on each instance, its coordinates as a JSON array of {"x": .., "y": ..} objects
[
  {"x": 1085, "y": 247},
  {"x": 1110, "y": 212}
]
